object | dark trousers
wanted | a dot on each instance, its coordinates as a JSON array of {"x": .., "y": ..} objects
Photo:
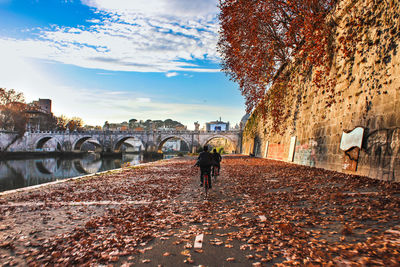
[
  {"x": 215, "y": 169},
  {"x": 205, "y": 170}
]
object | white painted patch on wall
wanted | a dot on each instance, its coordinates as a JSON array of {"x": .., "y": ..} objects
[
  {"x": 291, "y": 148},
  {"x": 266, "y": 149},
  {"x": 352, "y": 139}
]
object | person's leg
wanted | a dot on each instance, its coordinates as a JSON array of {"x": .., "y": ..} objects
[
  {"x": 209, "y": 176},
  {"x": 202, "y": 171}
]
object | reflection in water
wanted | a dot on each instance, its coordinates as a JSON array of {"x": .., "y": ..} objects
[
  {"x": 40, "y": 166},
  {"x": 26, "y": 172}
]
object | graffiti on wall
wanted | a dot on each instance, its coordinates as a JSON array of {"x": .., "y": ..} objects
[
  {"x": 306, "y": 154},
  {"x": 382, "y": 148}
]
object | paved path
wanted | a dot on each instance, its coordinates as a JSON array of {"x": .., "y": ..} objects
[{"x": 259, "y": 213}]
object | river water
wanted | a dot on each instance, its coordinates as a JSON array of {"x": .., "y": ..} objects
[{"x": 18, "y": 173}]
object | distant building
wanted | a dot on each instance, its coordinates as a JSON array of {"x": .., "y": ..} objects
[
  {"x": 116, "y": 126},
  {"x": 148, "y": 125},
  {"x": 36, "y": 120},
  {"x": 138, "y": 129},
  {"x": 91, "y": 128},
  {"x": 176, "y": 128},
  {"x": 172, "y": 145},
  {"x": 217, "y": 126},
  {"x": 180, "y": 128},
  {"x": 39, "y": 116},
  {"x": 43, "y": 104}
]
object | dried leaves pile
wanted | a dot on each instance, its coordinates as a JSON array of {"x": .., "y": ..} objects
[
  {"x": 260, "y": 212},
  {"x": 316, "y": 216}
]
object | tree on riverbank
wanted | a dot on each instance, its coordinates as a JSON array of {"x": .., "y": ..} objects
[
  {"x": 72, "y": 124},
  {"x": 257, "y": 38},
  {"x": 13, "y": 113},
  {"x": 16, "y": 116}
]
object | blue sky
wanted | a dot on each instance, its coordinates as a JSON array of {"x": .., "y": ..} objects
[{"x": 117, "y": 59}]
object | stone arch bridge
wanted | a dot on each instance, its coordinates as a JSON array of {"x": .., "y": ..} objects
[{"x": 112, "y": 141}]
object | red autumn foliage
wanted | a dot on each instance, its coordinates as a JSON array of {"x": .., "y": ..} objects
[
  {"x": 12, "y": 111},
  {"x": 257, "y": 38}
]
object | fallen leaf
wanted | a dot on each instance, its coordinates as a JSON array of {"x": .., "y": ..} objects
[
  {"x": 188, "y": 260},
  {"x": 185, "y": 253},
  {"x": 188, "y": 245}
]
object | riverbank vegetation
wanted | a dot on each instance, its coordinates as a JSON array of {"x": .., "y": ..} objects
[
  {"x": 18, "y": 116},
  {"x": 13, "y": 116}
]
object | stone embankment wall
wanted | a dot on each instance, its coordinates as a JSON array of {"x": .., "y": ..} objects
[{"x": 366, "y": 71}]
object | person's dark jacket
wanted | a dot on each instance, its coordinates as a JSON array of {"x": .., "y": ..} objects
[
  {"x": 205, "y": 159},
  {"x": 217, "y": 158}
]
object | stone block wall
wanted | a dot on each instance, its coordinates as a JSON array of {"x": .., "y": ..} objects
[{"x": 366, "y": 71}]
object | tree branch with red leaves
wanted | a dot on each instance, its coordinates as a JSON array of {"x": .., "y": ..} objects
[{"x": 258, "y": 37}]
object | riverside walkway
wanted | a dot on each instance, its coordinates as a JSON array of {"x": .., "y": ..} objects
[{"x": 260, "y": 213}]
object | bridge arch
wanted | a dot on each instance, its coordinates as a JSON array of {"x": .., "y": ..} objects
[
  {"x": 165, "y": 139},
  {"x": 120, "y": 142},
  {"x": 42, "y": 141},
  {"x": 233, "y": 143},
  {"x": 77, "y": 146},
  {"x": 218, "y": 136},
  {"x": 112, "y": 141}
]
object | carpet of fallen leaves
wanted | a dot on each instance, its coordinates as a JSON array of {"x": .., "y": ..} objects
[{"x": 259, "y": 213}]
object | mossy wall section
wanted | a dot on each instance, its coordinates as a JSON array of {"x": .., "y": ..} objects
[{"x": 366, "y": 69}]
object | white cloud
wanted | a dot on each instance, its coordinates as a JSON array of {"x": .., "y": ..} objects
[
  {"x": 182, "y": 8},
  {"x": 143, "y": 100},
  {"x": 97, "y": 106},
  {"x": 165, "y": 36},
  {"x": 171, "y": 74},
  {"x": 141, "y": 35},
  {"x": 18, "y": 73}
]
